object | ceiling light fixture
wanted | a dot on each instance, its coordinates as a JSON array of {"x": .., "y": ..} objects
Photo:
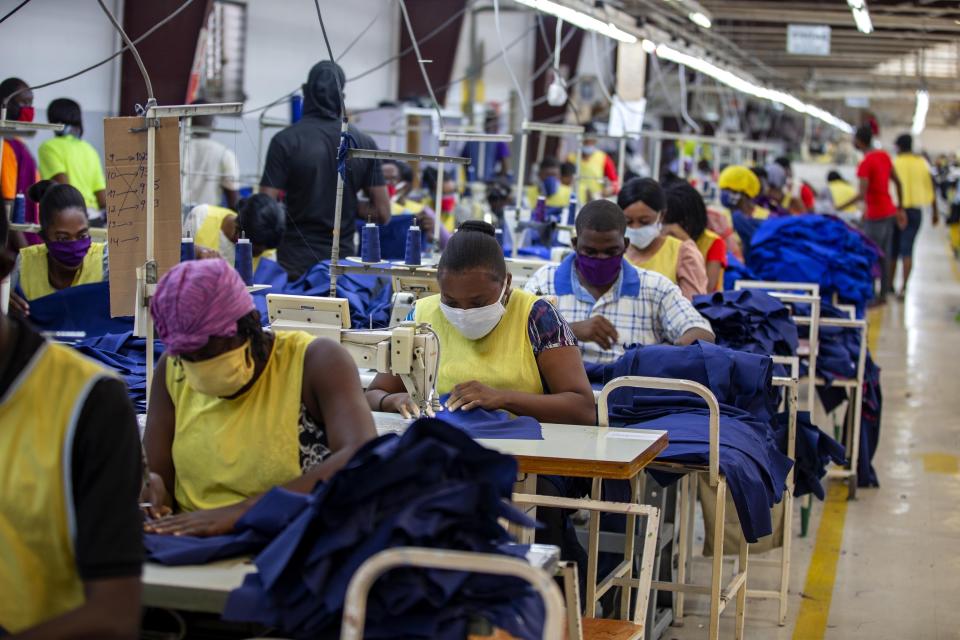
[
  {"x": 920, "y": 112},
  {"x": 861, "y": 16},
  {"x": 580, "y": 19},
  {"x": 700, "y": 19}
]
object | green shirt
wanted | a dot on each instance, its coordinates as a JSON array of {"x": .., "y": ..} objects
[{"x": 76, "y": 158}]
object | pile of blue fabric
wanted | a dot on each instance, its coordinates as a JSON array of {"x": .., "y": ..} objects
[
  {"x": 432, "y": 487},
  {"x": 750, "y": 457},
  {"x": 124, "y": 354},
  {"x": 816, "y": 248},
  {"x": 814, "y": 451},
  {"x": 735, "y": 271},
  {"x": 749, "y": 320},
  {"x": 85, "y": 308}
]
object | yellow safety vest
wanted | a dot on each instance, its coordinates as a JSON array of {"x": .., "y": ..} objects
[
  {"x": 210, "y": 235},
  {"x": 664, "y": 261},
  {"x": 38, "y": 570},
  {"x": 35, "y": 271},
  {"x": 915, "y": 180},
  {"x": 409, "y": 207},
  {"x": 704, "y": 242},
  {"x": 842, "y": 191},
  {"x": 591, "y": 175},
  {"x": 560, "y": 198},
  {"x": 225, "y": 451},
  {"x": 502, "y": 359}
]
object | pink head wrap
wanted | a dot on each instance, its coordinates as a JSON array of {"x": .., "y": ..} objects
[{"x": 198, "y": 299}]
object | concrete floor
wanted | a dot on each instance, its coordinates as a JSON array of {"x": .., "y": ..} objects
[{"x": 897, "y": 573}]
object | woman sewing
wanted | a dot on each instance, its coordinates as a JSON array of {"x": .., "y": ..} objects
[
  {"x": 500, "y": 348},
  {"x": 67, "y": 256},
  {"x": 643, "y": 203},
  {"x": 236, "y": 410},
  {"x": 216, "y": 230}
]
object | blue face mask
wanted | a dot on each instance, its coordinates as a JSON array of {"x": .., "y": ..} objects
[
  {"x": 729, "y": 199},
  {"x": 550, "y": 185}
]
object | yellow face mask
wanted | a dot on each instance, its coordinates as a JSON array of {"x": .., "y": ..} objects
[{"x": 221, "y": 376}]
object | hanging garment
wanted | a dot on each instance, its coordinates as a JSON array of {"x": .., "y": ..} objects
[
  {"x": 814, "y": 450},
  {"x": 816, "y": 248},
  {"x": 750, "y": 459},
  {"x": 869, "y": 425}
]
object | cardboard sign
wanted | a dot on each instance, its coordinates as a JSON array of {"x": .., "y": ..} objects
[
  {"x": 808, "y": 39},
  {"x": 126, "y": 162}
]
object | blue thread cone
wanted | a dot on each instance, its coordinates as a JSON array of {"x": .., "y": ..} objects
[
  {"x": 370, "y": 244},
  {"x": 296, "y": 107},
  {"x": 411, "y": 254},
  {"x": 19, "y": 215},
  {"x": 244, "y": 261},
  {"x": 187, "y": 251},
  {"x": 572, "y": 213}
]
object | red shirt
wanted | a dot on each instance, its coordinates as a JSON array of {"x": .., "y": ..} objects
[{"x": 876, "y": 167}]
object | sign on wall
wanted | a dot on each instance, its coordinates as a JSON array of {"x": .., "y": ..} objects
[{"x": 808, "y": 39}]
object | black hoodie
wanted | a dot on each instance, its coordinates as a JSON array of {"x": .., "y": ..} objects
[{"x": 302, "y": 161}]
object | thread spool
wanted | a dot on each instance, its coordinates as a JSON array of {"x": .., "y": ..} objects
[
  {"x": 499, "y": 235},
  {"x": 19, "y": 214},
  {"x": 370, "y": 244},
  {"x": 187, "y": 250},
  {"x": 572, "y": 212},
  {"x": 243, "y": 261},
  {"x": 540, "y": 212},
  {"x": 471, "y": 173},
  {"x": 411, "y": 254},
  {"x": 296, "y": 107}
]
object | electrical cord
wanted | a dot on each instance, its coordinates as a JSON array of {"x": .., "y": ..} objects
[
  {"x": 13, "y": 11},
  {"x": 420, "y": 63},
  {"x": 506, "y": 61},
  {"x": 145, "y": 35},
  {"x": 133, "y": 49}
]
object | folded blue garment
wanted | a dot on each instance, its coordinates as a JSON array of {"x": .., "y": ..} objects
[
  {"x": 85, "y": 307},
  {"x": 125, "y": 355},
  {"x": 482, "y": 424},
  {"x": 735, "y": 271}
]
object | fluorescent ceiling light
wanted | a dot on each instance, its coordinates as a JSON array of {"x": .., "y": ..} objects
[
  {"x": 700, "y": 19},
  {"x": 861, "y": 16},
  {"x": 746, "y": 86},
  {"x": 920, "y": 112},
  {"x": 580, "y": 19}
]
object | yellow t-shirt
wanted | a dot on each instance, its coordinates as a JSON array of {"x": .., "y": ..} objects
[
  {"x": 915, "y": 179},
  {"x": 226, "y": 451},
  {"x": 502, "y": 359},
  {"x": 35, "y": 270},
  {"x": 78, "y": 160},
  {"x": 842, "y": 191}
]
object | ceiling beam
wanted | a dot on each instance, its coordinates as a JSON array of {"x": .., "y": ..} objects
[{"x": 750, "y": 12}]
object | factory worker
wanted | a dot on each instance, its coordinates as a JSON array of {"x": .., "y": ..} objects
[
  {"x": 643, "y": 204},
  {"x": 686, "y": 219},
  {"x": 774, "y": 190},
  {"x": 70, "y": 540},
  {"x": 68, "y": 159},
  {"x": 609, "y": 303},
  {"x": 19, "y": 166},
  {"x": 500, "y": 348},
  {"x": 236, "y": 410},
  {"x": 738, "y": 187},
  {"x": 213, "y": 172},
  {"x": 598, "y": 173},
  {"x": 215, "y": 230},
  {"x": 302, "y": 163},
  {"x": 67, "y": 258},
  {"x": 919, "y": 191},
  {"x": 841, "y": 191},
  {"x": 398, "y": 177}
]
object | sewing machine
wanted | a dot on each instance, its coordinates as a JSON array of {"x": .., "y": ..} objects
[
  {"x": 407, "y": 289},
  {"x": 409, "y": 350}
]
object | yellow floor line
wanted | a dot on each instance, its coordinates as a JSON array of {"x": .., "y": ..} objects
[
  {"x": 947, "y": 463},
  {"x": 818, "y": 590},
  {"x": 874, "y": 321}
]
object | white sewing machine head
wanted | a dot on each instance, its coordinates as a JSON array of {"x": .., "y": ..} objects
[{"x": 410, "y": 351}]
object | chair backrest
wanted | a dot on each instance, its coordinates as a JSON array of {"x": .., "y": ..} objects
[{"x": 669, "y": 384}]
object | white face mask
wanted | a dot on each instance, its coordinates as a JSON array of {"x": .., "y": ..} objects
[
  {"x": 476, "y": 323},
  {"x": 642, "y": 237}
]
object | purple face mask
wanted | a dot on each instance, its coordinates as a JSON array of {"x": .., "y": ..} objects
[
  {"x": 599, "y": 272},
  {"x": 69, "y": 253}
]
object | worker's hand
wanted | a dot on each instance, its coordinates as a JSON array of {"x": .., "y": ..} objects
[
  {"x": 402, "y": 403},
  {"x": 426, "y": 224},
  {"x": 901, "y": 219},
  {"x": 597, "y": 329},
  {"x": 474, "y": 395},
  {"x": 203, "y": 253},
  {"x": 18, "y": 304},
  {"x": 209, "y": 522},
  {"x": 675, "y": 230},
  {"x": 154, "y": 499}
]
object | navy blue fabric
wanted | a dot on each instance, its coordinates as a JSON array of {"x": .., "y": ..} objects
[
  {"x": 492, "y": 425},
  {"x": 433, "y": 486},
  {"x": 126, "y": 355},
  {"x": 814, "y": 450},
  {"x": 869, "y": 425},
  {"x": 750, "y": 458},
  {"x": 816, "y": 248},
  {"x": 84, "y": 308},
  {"x": 270, "y": 272},
  {"x": 751, "y": 321},
  {"x": 746, "y": 227},
  {"x": 735, "y": 271}
]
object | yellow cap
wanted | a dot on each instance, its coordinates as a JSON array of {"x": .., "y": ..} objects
[{"x": 740, "y": 179}]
